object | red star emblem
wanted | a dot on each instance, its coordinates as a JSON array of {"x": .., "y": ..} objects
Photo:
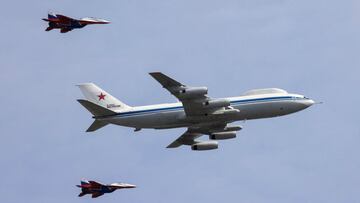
[{"x": 101, "y": 96}]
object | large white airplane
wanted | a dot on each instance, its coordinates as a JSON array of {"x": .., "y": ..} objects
[{"x": 198, "y": 112}]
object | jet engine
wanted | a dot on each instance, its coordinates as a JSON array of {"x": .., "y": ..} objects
[
  {"x": 206, "y": 145},
  {"x": 192, "y": 92},
  {"x": 216, "y": 103},
  {"x": 222, "y": 135}
]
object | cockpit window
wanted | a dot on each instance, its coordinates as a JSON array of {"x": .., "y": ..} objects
[{"x": 299, "y": 97}]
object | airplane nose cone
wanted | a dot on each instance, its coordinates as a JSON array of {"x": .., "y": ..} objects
[
  {"x": 104, "y": 21},
  {"x": 130, "y": 186},
  {"x": 309, "y": 102}
]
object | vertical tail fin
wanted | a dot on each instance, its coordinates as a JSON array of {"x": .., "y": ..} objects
[
  {"x": 52, "y": 15},
  {"x": 100, "y": 97},
  {"x": 83, "y": 185},
  {"x": 84, "y": 182}
]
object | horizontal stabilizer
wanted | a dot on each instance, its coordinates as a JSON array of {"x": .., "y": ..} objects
[
  {"x": 52, "y": 15},
  {"x": 95, "y": 109},
  {"x": 96, "y": 125}
]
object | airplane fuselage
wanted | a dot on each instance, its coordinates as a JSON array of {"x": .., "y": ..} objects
[
  {"x": 102, "y": 189},
  {"x": 164, "y": 116},
  {"x": 66, "y": 24},
  {"x": 71, "y": 25},
  {"x": 97, "y": 189}
]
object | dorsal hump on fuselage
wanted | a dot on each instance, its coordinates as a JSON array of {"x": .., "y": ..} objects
[{"x": 264, "y": 91}]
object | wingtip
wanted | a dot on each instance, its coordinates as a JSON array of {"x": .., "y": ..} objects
[
  {"x": 175, "y": 144},
  {"x": 90, "y": 130},
  {"x": 154, "y": 73}
]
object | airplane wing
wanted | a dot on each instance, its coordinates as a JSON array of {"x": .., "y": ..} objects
[
  {"x": 95, "y": 184},
  {"x": 64, "y": 30},
  {"x": 96, "y": 194},
  {"x": 205, "y": 113},
  {"x": 188, "y": 138},
  {"x": 195, "y": 101},
  {"x": 216, "y": 131},
  {"x": 64, "y": 19}
]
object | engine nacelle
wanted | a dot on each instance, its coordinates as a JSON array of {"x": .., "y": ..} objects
[
  {"x": 216, "y": 103},
  {"x": 206, "y": 145},
  {"x": 192, "y": 92},
  {"x": 223, "y": 135}
]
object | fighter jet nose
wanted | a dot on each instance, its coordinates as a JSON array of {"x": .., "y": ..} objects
[{"x": 103, "y": 21}]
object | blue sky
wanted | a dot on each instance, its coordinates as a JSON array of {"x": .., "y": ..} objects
[{"x": 306, "y": 47}]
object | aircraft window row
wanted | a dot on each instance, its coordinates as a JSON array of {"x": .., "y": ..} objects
[{"x": 299, "y": 97}]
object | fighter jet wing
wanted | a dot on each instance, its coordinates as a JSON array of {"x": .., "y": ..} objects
[
  {"x": 96, "y": 194},
  {"x": 194, "y": 99},
  {"x": 95, "y": 184},
  {"x": 64, "y": 19},
  {"x": 64, "y": 30}
]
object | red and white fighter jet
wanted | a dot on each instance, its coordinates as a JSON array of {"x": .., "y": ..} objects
[
  {"x": 97, "y": 189},
  {"x": 66, "y": 24}
]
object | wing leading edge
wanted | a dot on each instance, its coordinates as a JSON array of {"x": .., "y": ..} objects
[
  {"x": 196, "y": 103},
  {"x": 188, "y": 138}
]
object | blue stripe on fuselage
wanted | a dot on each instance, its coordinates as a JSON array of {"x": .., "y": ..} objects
[{"x": 179, "y": 108}]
